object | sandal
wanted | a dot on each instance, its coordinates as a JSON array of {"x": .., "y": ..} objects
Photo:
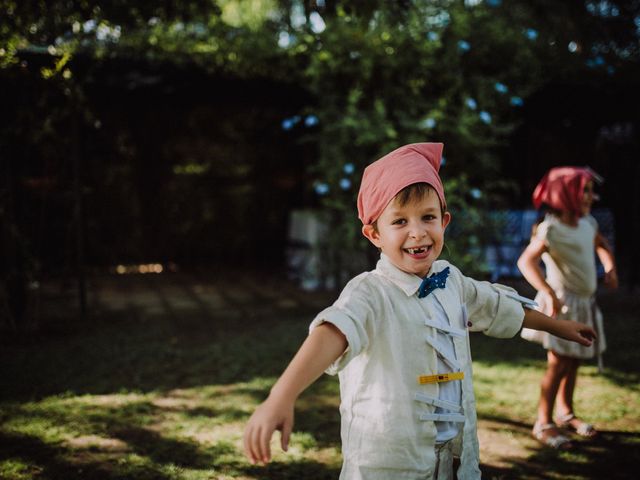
[
  {"x": 557, "y": 441},
  {"x": 573, "y": 423}
]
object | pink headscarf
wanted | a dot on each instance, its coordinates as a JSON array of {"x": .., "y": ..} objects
[
  {"x": 384, "y": 178},
  {"x": 562, "y": 188}
]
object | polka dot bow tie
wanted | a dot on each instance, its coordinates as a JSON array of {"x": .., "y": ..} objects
[{"x": 436, "y": 280}]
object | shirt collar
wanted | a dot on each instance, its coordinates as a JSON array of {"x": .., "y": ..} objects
[{"x": 409, "y": 283}]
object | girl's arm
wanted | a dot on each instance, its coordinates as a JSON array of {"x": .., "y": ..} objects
[
  {"x": 321, "y": 348},
  {"x": 529, "y": 265},
  {"x": 568, "y": 329},
  {"x": 605, "y": 254}
]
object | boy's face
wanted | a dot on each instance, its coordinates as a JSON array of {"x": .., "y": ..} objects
[{"x": 412, "y": 236}]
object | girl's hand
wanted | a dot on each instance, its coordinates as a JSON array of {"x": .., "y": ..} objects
[
  {"x": 554, "y": 304},
  {"x": 611, "y": 279},
  {"x": 268, "y": 417}
]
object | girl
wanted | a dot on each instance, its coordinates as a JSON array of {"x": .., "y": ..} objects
[{"x": 565, "y": 241}]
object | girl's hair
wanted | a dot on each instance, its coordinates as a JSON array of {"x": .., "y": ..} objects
[{"x": 413, "y": 193}]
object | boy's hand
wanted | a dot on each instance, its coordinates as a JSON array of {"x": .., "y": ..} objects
[
  {"x": 268, "y": 417},
  {"x": 576, "y": 332},
  {"x": 321, "y": 348}
]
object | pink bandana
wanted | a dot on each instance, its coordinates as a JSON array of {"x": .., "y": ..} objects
[
  {"x": 562, "y": 188},
  {"x": 384, "y": 178}
]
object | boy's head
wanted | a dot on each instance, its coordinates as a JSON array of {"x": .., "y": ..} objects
[
  {"x": 566, "y": 189},
  {"x": 384, "y": 178},
  {"x": 401, "y": 204}
]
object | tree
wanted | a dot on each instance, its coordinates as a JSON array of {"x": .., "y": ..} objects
[{"x": 379, "y": 73}]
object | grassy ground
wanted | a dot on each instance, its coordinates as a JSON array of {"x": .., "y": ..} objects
[{"x": 158, "y": 382}]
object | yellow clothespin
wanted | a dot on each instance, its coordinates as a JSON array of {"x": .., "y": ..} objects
[{"x": 441, "y": 377}]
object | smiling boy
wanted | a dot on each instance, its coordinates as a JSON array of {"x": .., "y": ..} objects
[{"x": 399, "y": 338}]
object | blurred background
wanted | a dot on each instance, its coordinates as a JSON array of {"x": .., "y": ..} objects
[
  {"x": 178, "y": 186},
  {"x": 234, "y": 132}
]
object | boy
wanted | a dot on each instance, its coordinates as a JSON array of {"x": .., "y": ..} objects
[{"x": 398, "y": 337}]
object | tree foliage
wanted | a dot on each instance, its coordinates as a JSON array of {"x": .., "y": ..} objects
[{"x": 379, "y": 73}]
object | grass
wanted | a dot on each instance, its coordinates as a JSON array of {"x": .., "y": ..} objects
[{"x": 159, "y": 382}]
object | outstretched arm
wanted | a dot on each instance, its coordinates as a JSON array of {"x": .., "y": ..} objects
[
  {"x": 529, "y": 265},
  {"x": 605, "y": 254},
  {"x": 321, "y": 348},
  {"x": 567, "y": 329}
]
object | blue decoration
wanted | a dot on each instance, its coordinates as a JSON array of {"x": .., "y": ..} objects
[
  {"x": 289, "y": 123},
  {"x": 436, "y": 280},
  {"x": 472, "y": 104},
  {"x": 531, "y": 33},
  {"x": 284, "y": 39},
  {"x": 345, "y": 183},
  {"x": 433, "y": 36},
  {"x": 501, "y": 87},
  {"x": 476, "y": 193},
  {"x": 464, "y": 46},
  {"x": 428, "y": 123},
  {"x": 516, "y": 101},
  {"x": 485, "y": 117},
  {"x": 311, "y": 121},
  {"x": 322, "y": 189},
  {"x": 494, "y": 3},
  {"x": 348, "y": 168},
  {"x": 317, "y": 22}
]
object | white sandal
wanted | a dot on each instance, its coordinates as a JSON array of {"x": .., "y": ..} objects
[
  {"x": 584, "y": 429},
  {"x": 558, "y": 442}
]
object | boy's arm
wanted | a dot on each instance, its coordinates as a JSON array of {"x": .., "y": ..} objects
[
  {"x": 605, "y": 254},
  {"x": 321, "y": 348},
  {"x": 529, "y": 265},
  {"x": 568, "y": 329}
]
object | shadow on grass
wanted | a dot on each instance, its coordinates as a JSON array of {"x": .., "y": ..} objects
[
  {"x": 182, "y": 338},
  {"x": 46, "y": 461},
  {"x": 611, "y": 455},
  {"x": 323, "y": 423},
  {"x": 117, "y": 354},
  {"x": 296, "y": 470}
]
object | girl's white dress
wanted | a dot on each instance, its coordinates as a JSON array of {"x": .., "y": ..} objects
[{"x": 571, "y": 271}]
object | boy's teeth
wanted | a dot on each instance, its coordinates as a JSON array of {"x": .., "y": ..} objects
[{"x": 415, "y": 250}]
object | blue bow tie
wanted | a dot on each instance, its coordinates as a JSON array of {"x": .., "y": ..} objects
[{"x": 436, "y": 280}]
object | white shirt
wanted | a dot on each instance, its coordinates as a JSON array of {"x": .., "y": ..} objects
[
  {"x": 449, "y": 391},
  {"x": 390, "y": 332},
  {"x": 570, "y": 260}
]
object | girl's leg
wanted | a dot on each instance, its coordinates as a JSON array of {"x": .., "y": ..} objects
[
  {"x": 544, "y": 429},
  {"x": 557, "y": 368},
  {"x": 564, "y": 400},
  {"x": 565, "y": 413}
]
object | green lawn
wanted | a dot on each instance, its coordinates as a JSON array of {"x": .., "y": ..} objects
[{"x": 159, "y": 382}]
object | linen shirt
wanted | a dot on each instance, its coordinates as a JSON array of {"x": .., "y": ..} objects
[{"x": 390, "y": 335}]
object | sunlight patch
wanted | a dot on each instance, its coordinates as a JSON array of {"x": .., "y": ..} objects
[{"x": 96, "y": 442}]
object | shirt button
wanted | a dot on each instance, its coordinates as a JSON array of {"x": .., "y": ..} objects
[{"x": 469, "y": 324}]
